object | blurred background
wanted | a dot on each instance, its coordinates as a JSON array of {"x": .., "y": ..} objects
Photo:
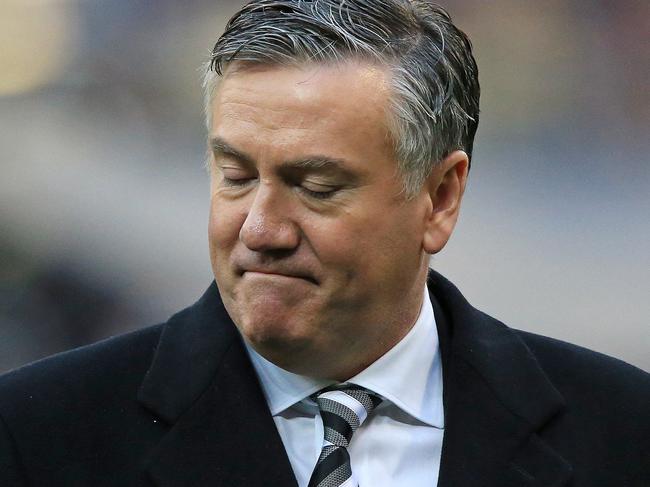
[{"x": 104, "y": 200}]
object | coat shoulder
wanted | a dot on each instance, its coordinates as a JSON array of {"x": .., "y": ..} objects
[
  {"x": 73, "y": 418},
  {"x": 566, "y": 363},
  {"x": 606, "y": 399},
  {"x": 77, "y": 384},
  {"x": 116, "y": 359}
]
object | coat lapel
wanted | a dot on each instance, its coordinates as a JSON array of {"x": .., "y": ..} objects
[
  {"x": 201, "y": 383},
  {"x": 497, "y": 400}
]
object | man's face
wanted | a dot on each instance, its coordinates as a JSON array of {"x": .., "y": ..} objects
[{"x": 317, "y": 253}]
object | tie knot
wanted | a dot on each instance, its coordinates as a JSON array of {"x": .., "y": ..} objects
[{"x": 344, "y": 409}]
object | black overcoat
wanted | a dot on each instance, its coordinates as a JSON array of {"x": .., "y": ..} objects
[{"x": 179, "y": 404}]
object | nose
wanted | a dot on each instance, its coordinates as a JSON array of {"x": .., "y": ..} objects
[{"x": 268, "y": 226}]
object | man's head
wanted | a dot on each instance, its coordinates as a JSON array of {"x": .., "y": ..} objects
[
  {"x": 340, "y": 137},
  {"x": 434, "y": 106}
]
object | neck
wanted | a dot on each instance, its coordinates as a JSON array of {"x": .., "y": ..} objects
[
  {"x": 343, "y": 351},
  {"x": 352, "y": 357}
]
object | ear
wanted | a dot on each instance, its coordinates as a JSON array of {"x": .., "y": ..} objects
[{"x": 445, "y": 187}]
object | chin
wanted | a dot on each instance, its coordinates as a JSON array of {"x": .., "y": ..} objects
[
  {"x": 270, "y": 333},
  {"x": 278, "y": 343},
  {"x": 278, "y": 330}
]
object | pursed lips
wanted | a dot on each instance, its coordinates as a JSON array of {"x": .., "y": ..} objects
[{"x": 287, "y": 273}]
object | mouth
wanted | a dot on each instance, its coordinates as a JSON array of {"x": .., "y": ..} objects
[{"x": 270, "y": 273}]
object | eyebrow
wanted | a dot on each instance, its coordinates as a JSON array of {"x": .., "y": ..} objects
[
  {"x": 317, "y": 162},
  {"x": 220, "y": 146},
  {"x": 320, "y": 162}
]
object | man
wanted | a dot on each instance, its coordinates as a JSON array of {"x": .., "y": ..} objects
[{"x": 327, "y": 354}]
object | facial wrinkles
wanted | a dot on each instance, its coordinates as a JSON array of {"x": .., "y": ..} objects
[
  {"x": 279, "y": 133},
  {"x": 349, "y": 245},
  {"x": 274, "y": 108},
  {"x": 317, "y": 109}
]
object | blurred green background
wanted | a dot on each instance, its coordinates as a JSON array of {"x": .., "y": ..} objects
[{"x": 104, "y": 200}]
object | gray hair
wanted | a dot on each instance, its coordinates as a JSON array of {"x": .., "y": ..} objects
[{"x": 435, "y": 107}]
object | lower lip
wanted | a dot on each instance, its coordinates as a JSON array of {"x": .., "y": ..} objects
[{"x": 267, "y": 275}]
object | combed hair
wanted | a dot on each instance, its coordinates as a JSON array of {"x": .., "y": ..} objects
[{"x": 435, "y": 104}]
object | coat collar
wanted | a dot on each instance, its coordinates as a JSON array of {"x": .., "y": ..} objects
[
  {"x": 496, "y": 398},
  {"x": 203, "y": 385}
]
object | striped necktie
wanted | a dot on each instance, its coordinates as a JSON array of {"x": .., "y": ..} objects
[{"x": 343, "y": 409}]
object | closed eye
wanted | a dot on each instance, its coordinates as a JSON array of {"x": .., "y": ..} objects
[
  {"x": 236, "y": 176},
  {"x": 236, "y": 181},
  {"x": 318, "y": 191}
]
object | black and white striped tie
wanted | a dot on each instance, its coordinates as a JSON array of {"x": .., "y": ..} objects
[{"x": 343, "y": 409}]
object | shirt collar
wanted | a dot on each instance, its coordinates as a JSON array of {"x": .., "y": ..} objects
[
  {"x": 282, "y": 388},
  {"x": 409, "y": 375}
]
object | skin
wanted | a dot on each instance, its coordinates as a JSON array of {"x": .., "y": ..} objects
[{"x": 319, "y": 257}]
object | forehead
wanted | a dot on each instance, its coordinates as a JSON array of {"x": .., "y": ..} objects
[{"x": 335, "y": 107}]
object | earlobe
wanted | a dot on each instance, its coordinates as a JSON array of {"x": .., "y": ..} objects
[{"x": 445, "y": 186}]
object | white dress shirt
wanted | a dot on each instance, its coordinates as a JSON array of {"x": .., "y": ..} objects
[{"x": 400, "y": 443}]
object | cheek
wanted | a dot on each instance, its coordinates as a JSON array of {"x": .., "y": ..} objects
[
  {"x": 372, "y": 246},
  {"x": 344, "y": 246},
  {"x": 224, "y": 225}
]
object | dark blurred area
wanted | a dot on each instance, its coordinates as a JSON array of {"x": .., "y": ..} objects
[{"x": 103, "y": 196}]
